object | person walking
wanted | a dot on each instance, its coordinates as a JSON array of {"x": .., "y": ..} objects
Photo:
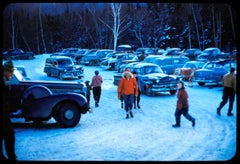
[
  {"x": 182, "y": 106},
  {"x": 88, "y": 93},
  {"x": 229, "y": 83},
  {"x": 141, "y": 85},
  {"x": 8, "y": 133},
  {"x": 126, "y": 89},
  {"x": 191, "y": 78},
  {"x": 96, "y": 85}
]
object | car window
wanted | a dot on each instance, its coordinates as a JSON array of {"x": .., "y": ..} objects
[
  {"x": 209, "y": 66},
  {"x": 64, "y": 62},
  {"x": 189, "y": 65},
  {"x": 151, "y": 69},
  {"x": 218, "y": 65}
]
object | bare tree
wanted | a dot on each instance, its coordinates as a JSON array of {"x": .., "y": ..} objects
[
  {"x": 196, "y": 25},
  {"x": 118, "y": 26},
  {"x": 13, "y": 29},
  {"x": 41, "y": 29}
]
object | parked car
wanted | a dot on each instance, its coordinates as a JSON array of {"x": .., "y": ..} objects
[
  {"x": 211, "y": 54},
  {"x": 213, "y": 71},
  {"x": 75, "y": 53},
  {"x": 188, "y": 68},
  {"x": 192, "y": 53},
  {"x": 152, "y": 74},
  {"x": 17, "y": 54},
  {"x": 169, "y": 63},
  {"x": 145, "y": 51},
  {"x": 114, "y": 62},
  {"x": 42, "y": 100},
  {"x": 124, "y": 48},
  {"x": 95, "y": 57},
  {"x": 62, "y": 67},
  {"x": 150, "y": 58},
  {"x": 175, "y": 51}
]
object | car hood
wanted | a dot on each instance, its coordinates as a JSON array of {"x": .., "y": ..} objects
[{"x": 156, "y": 76}]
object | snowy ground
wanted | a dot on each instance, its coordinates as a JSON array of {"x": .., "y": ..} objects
[{"x": 105, "y": 134}]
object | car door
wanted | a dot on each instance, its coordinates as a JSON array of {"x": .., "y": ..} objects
[{"x": 54, "y": 68}]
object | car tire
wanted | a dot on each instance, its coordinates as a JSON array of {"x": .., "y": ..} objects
[
  {"x": 149, "y": 92},
  {"x": 61, "y": 76},
  {"x": 49, "y": 73},
  {"x": 79, "y": 61},
  {"x": 91, "y": 63},
  {"x": 67, "y": 115},
  {"x": 173, "y": 92},
  {"x": 201, "y": 83}
]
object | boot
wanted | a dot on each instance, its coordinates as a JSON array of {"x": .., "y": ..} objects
[
  {"x": 127, "y": 116},
  {"x": 96, "y": 104},
  {"x": 131, "y": 114},
  {"x": 134, "y": 105},
  {"x": 176, "y": 125},
  {"x": 138, "y": 106},
  {"x": 121, "y": 104},
  {"x": 193, "y": 122},
  {"x": 218, "y": 112}
]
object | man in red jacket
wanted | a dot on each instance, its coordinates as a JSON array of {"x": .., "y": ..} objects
[
  {"x": 182, "y": 106},
  {"x": 126, "y": 90}
]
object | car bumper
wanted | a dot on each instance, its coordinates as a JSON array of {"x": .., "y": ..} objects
[{"x": 163, "y": 88}]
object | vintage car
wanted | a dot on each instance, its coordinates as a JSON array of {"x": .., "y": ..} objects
[
  {"x": 152, "y": 74},
  {"x": 62, "y": 67},
  {"x": 212, "y": 54},
  {"x": 213, "y": 71},
  {"x": 169, "y": 63},
  {"x": 192, "y": 53},
  {"x": 17, "y": 54},
  {"x": 188, "y": 68},
  {"x": 94, "y": 57},
  {"x": 114, "y": 62},
  {"x": 40, "y": 101}
]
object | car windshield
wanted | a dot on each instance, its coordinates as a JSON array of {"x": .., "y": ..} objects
[
  {"x": 189, "y": 65},
  {"x": 64, "y": 62},
  {"x": 148, "y": 70}
]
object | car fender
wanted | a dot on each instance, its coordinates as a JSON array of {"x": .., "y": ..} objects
[{"x": 39, "y": 102}]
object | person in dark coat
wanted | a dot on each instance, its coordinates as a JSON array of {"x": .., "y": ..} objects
[
  {"x": 182, "y": 106},
  {"x": 8, "y": 134},
  {"x": 96, "y": 84},
  {"x": 229, "y": 83},
  {"x": 141, "y": 85}
]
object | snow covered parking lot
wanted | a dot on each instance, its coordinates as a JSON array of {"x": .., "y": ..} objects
[{"x": 105, "y": 134}]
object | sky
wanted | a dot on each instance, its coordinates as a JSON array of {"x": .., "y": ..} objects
[{"x": 105, "y": 134}]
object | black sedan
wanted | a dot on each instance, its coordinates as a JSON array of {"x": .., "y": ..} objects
[
  {"x": 153, "y": 75},
  {"x": 17, "y": 54},
  {"x": 40, "y": 101}
]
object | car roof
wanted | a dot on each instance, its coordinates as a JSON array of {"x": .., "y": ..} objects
[{"x": 141, "y": 64}]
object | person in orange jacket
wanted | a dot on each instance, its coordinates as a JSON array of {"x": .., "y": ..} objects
[{"x": 126, "y": 90}]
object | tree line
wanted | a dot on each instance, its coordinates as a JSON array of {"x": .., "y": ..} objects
[{"x": 46, "y": 28}]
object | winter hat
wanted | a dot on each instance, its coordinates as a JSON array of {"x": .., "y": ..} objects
[
  {"x": 181, "y": 83},
  {"x": 96, "y": 72},
  {"x": 8, "y": 66},
  {"x": 134, "y": 72},
  {"x": 87, "y": 82},
  {"x": 127, "y": 71}
]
